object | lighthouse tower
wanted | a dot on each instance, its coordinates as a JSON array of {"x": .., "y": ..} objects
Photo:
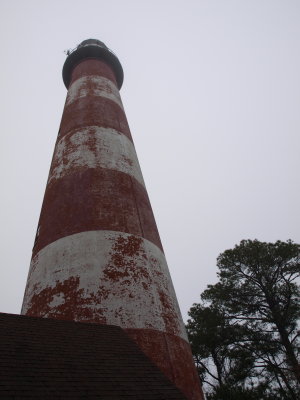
[{"x": 97, "y": 255}]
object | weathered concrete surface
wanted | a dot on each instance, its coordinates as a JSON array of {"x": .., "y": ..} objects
[
  {"x": 104, "y": 276},
  {"x": 94, "y": 147},
  {"x": 94, "y": 111},
  {"x": 95, "y": 199},
  {"x": 93, "y": 67},
  {"x": 93, "y": 85},
  {"x": 97, "y": 256}
]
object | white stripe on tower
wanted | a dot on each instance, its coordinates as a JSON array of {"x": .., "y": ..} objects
[
  {"x": 95, "y": 147},
  {"x": 121, "y": 279},
  {"x": 93, "y": 85}
]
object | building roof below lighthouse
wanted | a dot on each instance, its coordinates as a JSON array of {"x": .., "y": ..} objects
[{"x": 52, "y": 359}]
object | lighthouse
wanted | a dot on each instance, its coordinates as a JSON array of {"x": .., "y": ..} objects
[{"x": 97, "y": 255}]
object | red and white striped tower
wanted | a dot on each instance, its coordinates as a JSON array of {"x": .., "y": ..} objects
[{"x": 97, "y": 255}]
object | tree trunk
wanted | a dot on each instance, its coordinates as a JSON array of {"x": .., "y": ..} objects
[
  {"x": 218, "y": 366},
  {"x": 291, "y": 357}
]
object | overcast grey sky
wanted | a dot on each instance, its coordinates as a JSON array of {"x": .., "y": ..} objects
[{"x": 212, "y": 95}]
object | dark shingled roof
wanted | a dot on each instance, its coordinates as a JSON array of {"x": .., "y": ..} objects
[{"x": 50, "y": 359}]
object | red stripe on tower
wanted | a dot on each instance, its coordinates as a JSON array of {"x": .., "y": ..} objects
[{"x": 97, "y": 256}]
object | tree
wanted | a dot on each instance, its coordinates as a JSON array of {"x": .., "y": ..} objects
[
  {"x": 246, "y": 334},
  {"x": 222, "y": 364}
]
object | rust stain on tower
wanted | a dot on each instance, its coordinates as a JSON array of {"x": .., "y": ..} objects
[{"x": 97, "y": 255}]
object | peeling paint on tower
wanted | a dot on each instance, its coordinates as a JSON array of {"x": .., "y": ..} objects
[{"x": 97, "y": 255}]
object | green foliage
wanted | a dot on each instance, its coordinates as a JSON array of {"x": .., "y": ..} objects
[{"x": 245, "y": 333}]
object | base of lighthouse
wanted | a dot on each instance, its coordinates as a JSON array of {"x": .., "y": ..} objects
[{"x": 142, "y": 301}]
